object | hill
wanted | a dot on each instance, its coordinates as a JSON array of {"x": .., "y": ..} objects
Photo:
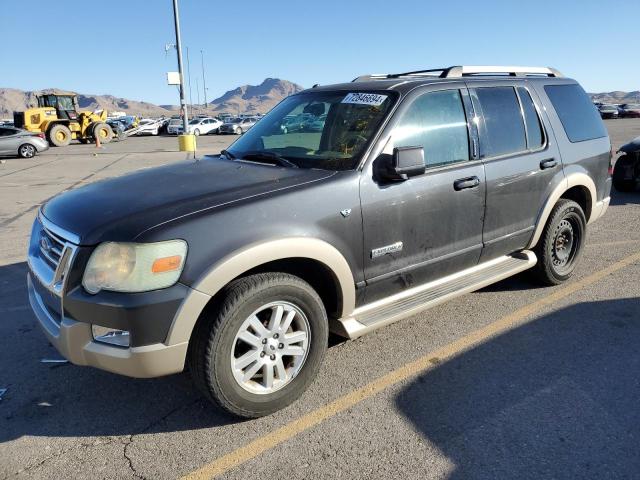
[
  {"x": 245, "y": 99},
  {"x": 255, "y": 98},
  {"x": 616, "y": 97}
]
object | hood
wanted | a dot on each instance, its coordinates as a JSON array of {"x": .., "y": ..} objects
[
  {"x": 631, "y": 147},
  {"x": 120, "y": 209}
]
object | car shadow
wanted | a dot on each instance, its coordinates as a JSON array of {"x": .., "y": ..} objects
[{"x": 553, "y": 398}]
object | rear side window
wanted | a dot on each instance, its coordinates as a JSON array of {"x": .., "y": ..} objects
[
  {"x": 436, "y": 122},
  {"x": 535, "y": 135},
  {"x": 504, "y": 128},
  {"x": 580, "y": 118}
]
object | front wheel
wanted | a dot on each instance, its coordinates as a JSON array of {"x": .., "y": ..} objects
[
  {"x": 561, "y": 243},
  {"x": 239, "y": 131},
  {"x": 263, "y": 345},
  {"x": 624, "y": 178},
  {"x": 196, "y": 132}
]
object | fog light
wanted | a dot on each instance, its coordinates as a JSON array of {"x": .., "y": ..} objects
[{"x": 108, "y": 335}]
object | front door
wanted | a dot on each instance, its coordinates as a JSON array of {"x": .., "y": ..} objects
[{"x": 430, "y": 225}]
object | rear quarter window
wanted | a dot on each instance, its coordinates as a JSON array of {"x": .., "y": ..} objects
[{"x": 579, "y": 117}]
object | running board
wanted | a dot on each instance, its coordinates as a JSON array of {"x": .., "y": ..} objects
[{"x": 409, "y": 302}]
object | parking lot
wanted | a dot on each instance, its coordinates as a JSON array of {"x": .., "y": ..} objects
[{"x": 513, "y": 381}]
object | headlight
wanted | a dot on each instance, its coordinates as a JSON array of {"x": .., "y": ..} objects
[{"x": 134, "y": 267}]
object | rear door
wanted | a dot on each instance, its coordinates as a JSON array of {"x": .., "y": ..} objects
[
  {"x": 522, "y": 166},
  {"x": 429, "y": 225}
]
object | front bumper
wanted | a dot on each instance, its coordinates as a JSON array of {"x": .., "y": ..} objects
[{"x": 74, "y": 341}]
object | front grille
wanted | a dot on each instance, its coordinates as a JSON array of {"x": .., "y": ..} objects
[{"x": 51, "y": 247}]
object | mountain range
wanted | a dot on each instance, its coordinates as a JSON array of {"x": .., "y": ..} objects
[
  {"x": 244, "y": 99},
  {"x": 616, "y": 97}
]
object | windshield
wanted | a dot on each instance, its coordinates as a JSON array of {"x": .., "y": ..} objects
[{"x": 327, "y": 130}]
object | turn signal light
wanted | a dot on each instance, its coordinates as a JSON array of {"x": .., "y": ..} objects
[{"x": 166, "y": 264}]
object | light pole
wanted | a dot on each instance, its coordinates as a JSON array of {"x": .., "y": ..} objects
[
  {"x": 189, "y": 75},
  {"x": 183, "y": 107},
  {"x": 204, "y": 81}
]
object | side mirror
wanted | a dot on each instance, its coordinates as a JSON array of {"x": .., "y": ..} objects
[{"x": 407, "y": 162}]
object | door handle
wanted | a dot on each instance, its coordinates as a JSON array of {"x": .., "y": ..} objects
[
  {"x": 548, "y": 163},
  {"x": 469, "y": 182}
]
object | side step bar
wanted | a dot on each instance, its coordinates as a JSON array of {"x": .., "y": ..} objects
[{"x": 409, "y": 302}]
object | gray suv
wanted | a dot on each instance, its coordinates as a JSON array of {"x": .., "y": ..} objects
[{"x": 418, "y": 187}]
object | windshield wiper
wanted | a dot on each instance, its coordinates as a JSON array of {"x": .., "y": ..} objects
[
  {"x": 271, "y": 156},
  {"x": 228, "y": 154}
]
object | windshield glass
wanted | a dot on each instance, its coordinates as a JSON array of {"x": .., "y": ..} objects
[
  {"x": 65, "y": 103},
  {"x": 327, "y": 130}
]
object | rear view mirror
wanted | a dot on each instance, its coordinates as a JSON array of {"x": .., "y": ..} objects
[{"x": 407, "y": 162}]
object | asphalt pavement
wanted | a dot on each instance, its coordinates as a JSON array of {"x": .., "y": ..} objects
[{"x": 513, "y": 381}]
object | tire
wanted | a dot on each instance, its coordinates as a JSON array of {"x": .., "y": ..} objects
[
  {"x": 59, "y": 135},
  {"x": 621, "y": 180},
  {"x": 561, "y": 243},
  {"x": 26, "y": 150},
  {"x": 216, "y": 340},
  {"x": 285, "y": 130},
  {"x": 196, "y": 132},
  {"x": 102, "y": 130},
  {"x": 239, "y": 131}
]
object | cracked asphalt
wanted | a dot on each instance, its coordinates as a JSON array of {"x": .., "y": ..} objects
[{"x": 555, "y": 396}]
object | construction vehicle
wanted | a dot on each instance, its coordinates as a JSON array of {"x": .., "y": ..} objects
[{"x": 58, "y": 118}]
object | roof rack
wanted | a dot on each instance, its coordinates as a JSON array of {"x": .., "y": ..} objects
[{"x": 459, "y": 71}]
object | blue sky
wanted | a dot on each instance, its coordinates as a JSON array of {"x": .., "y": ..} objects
[{"x": 117, "y": 47}]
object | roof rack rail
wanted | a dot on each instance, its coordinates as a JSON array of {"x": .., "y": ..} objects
[{"x": 466, "y": 71}]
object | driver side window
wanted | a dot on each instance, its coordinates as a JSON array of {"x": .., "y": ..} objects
[{"x": 435, "y": 121}]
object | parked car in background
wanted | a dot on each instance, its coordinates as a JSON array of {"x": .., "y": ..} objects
[
  {"x": 149, "y": 126},
  {"x": 626, "y": 172},
  {"x": 173, "y": 126},
  {"x": 238, "y": 126},
  {"x": 315, "y": 125},
  {"x": 630, "y": 110},
  {"x": 608, "y": 111},
  {"x": 21, "y": 143},
  {"x": 292, "y": 124},
  {"x": 202, "y": 126}
]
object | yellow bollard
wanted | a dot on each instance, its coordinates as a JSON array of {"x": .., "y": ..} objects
[{"x": 187, "y": 143}]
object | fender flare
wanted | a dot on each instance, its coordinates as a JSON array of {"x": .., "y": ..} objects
[
  {"x": 577, "y": 179},
  {"x": 243, "y": 260}
]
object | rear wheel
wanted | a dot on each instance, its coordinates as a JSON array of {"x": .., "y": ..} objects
[
  {"x": 59, "y": 135},
  {"x": 624, "y": 176},
  {"x": 263, "y": 345},
  {"x": 102, "y": 131},
  {"x": 27, "y": 151},
  {"x": 561, "y": 243}
]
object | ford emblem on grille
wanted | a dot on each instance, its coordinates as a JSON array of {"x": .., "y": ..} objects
[{"x": 45, "y": 244}]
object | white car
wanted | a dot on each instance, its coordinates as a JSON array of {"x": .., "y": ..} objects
[
  {"x": 202, "y": 126},
  {"x": 174, "y": 126},
  {"x": 148, "y": 126}
]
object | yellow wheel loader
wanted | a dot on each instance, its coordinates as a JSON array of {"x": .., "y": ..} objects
[{"x": 57, "y": 117}]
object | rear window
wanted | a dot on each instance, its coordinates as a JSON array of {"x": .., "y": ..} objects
[
  {"x": 580, "y": 118},
  {"x": 505, "y": 132}
]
